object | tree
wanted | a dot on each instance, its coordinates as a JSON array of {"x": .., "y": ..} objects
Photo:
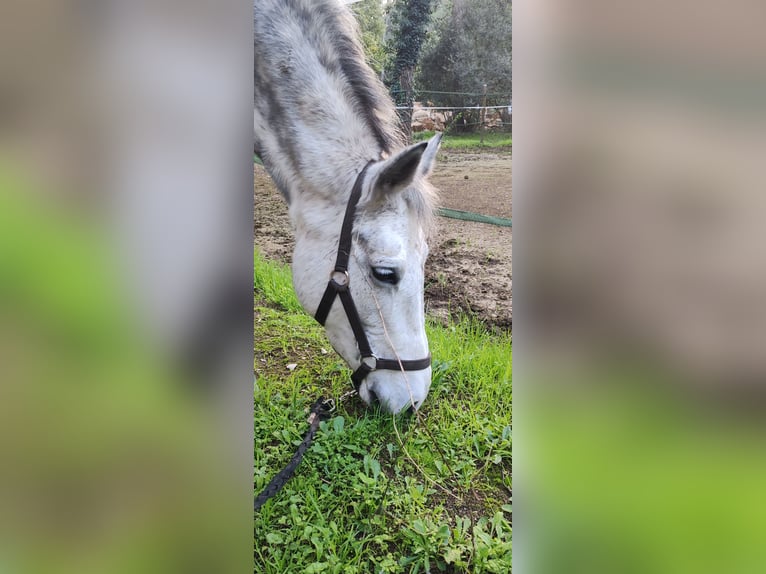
[
  {"x": 409, "y": 22},
  {"x": 469, "y": 45},
  {"x": 369, "y": 15}
]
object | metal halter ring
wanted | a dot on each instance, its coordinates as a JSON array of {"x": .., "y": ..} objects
[
  {"x": 340, "y": 279},
  {"x": 371, "y": 362}
]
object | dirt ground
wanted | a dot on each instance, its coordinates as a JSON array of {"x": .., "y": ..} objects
[{"x": 469, "y": 267}]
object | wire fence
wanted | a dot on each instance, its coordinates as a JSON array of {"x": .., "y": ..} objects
[
  {"x": 453, "y": 107},
  {"x": 447, "y": 111},
  {"x": 420, "y": 92},
  {"x": 457, "y": 118}
]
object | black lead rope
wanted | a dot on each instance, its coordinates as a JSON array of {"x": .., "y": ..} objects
[
  {"x": 320, "y": 409},
  {"x": 319, "y": 412}
]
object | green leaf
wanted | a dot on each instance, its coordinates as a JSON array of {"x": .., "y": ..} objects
[
  {"x": 452, "y": 555},
  {"x": 274, "y": 538},
  {"x": 365, "y": 479},
  {"x": 419, "y": 527}
]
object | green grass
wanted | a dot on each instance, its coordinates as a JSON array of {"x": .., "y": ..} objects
[
  {"x": 469, "y": 141},
  {"x": 377, "y": 493},
  {"x": 274, "y": 283}
]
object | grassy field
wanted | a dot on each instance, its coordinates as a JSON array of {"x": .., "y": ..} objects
[
  {"x": 469, "y": 141},
  {"x": 377, "y": 493}
]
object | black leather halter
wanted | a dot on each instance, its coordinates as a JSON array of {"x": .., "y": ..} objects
[{"x": 337, "y": 286}]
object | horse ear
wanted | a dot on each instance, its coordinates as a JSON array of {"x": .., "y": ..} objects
[
  {"x": 399, "y": 171},
  {"x": 428, "y": 160}
]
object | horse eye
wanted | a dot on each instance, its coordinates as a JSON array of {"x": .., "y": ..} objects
[{"x": 385, "y": 274}]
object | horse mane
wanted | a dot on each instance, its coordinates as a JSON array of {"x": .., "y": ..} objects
[{"x": 372, "y": 101}]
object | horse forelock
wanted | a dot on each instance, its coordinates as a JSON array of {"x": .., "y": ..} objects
[{"x": 422, "y": 200}]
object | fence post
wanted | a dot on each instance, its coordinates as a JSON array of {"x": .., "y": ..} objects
[{"x": 483, "y": 114}]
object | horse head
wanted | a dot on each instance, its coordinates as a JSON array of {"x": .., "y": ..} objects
[{"x": 381, "y": 332}]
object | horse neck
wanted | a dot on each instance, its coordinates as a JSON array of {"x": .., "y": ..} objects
[
  {"x": 329, "y": 167},
  {"x": 318, "y": 204},
  {"x": 318, "y": 120},
  {"x": 329, "y": 162}
]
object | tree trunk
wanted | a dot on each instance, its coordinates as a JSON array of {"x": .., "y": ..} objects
[{"x": 406, "y": 81}]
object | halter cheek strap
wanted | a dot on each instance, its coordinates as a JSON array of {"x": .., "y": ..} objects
[{"x": 338, "y": 285}]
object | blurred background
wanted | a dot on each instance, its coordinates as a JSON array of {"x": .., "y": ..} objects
[
  {"x": 640, "y": 300},
  {"x": 125, "y": 286}
]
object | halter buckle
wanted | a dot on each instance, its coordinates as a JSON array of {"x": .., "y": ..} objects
[
  {"x": 339, "y": 279},
  {"x": 328, "y": 406}
]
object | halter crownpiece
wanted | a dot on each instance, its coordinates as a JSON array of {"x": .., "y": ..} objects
[{"x": 338, "y": 286}]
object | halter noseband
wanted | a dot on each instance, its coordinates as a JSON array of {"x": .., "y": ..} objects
[{"x": 337, "y": 286}]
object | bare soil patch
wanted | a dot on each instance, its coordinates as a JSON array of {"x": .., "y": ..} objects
[{"x": 469, "y": 267}]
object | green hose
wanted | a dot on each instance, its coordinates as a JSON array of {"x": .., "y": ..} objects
[{"x": 470, "y": 216}]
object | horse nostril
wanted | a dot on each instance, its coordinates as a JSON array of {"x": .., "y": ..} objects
[{"x": 374, "y": 400}]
